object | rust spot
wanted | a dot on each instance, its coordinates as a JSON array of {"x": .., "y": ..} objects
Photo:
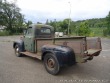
[{"x": 65, "y": 43}]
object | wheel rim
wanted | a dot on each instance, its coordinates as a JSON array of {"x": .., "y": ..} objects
[
  {"x": 17, "y": 51},
  {"x": 50, "y": 63}
]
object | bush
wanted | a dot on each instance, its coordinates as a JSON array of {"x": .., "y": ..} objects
[
  {"x": 106, "y": 32},
  {"x": 4, "y": 33},
  {"x": 84, "y": 29},
  {"x": 92, "y": 34}
]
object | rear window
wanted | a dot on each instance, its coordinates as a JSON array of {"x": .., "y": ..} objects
[{"x": 45, "y": 31}]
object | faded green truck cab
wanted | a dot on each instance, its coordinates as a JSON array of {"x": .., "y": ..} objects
[{"x": 39, "y": 42}]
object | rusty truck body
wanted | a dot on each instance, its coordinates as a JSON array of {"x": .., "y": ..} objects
[{"x": 39, "y": 42}]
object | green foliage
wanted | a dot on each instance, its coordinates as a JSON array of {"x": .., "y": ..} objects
[
  {"x": 10, "y": 16},
  {"x": 92, "y": 27},
  {"x": 84, "y": 29},
  {"x": 106, "y": 32},
  {"x": 64, "y": 24},
  {"x": 108, "y": 20},
  {"x": 95, "y": 22},
  {"x": 97, "y": 31},
  {"x": 4, "y": 33},
  {"x": 28, "y": 23},
  {"x": 91, "y": 34}
]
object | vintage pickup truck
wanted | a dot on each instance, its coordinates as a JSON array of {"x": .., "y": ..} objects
[{"x": 39, "y": 42}]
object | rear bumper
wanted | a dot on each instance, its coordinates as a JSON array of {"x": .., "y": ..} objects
[{"x": 93, "y": 52}]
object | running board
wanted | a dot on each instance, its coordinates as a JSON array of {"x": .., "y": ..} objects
[{"x": 34, "y": 55}]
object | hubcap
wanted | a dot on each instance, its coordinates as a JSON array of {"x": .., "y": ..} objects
[
  {"x": 17, "y": 51},
  {"x": 50, "y": 63}
]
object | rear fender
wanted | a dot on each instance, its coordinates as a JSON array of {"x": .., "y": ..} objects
[{"x": 64, "y": 55}]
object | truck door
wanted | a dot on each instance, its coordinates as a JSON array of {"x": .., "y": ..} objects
[{"x": 29, "y": 40}]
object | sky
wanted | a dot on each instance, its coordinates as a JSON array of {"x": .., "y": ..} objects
[{"x": 41, "y": 10}]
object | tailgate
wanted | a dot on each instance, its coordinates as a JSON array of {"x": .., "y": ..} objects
[{"x": 93, "y": 46}]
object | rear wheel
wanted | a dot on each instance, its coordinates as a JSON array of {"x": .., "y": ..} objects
[
  {"x": 51, "y": 64},
  {"x": 17, "y": 51}
]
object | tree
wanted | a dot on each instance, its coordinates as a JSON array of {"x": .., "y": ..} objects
[
  {"x": 84, "y": 29},
  {"x": 1, "y": 22},
  {"x": 107, "y": 31},
  {"x": 52, "y": 23},
  {"x": 47, "y": 22},
  {"x": 64, "y": 24},
  {"x": 10, "y": 16},
  {"x": 72, "y": 27},
  {"x": 28, "y": 23}
]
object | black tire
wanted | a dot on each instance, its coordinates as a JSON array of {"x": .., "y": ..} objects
[
  {"x": 17, "y": 51},
  {"x": 51, "y": 64},
  {"x": 90, "y": 58}
]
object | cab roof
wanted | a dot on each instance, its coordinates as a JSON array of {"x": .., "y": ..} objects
[{"x": 40, "y": 26}]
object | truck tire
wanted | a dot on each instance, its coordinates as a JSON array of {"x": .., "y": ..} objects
[
  {"x": 51, "y": 64},
  {"x": 17, "y": 51}
]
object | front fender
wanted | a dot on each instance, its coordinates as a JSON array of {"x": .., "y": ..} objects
[
  {"x": 20, "y": 43},
  {"x": 65, "y": 55}
]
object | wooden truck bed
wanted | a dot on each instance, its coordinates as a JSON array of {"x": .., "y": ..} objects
[{"x": 82, "y": 46}]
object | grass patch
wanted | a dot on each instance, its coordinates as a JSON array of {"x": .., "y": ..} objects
[
  {"x": 97, "y": 31},
  {"x": 4, "y": 33},
  {"x": 7, "y": 33}
]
